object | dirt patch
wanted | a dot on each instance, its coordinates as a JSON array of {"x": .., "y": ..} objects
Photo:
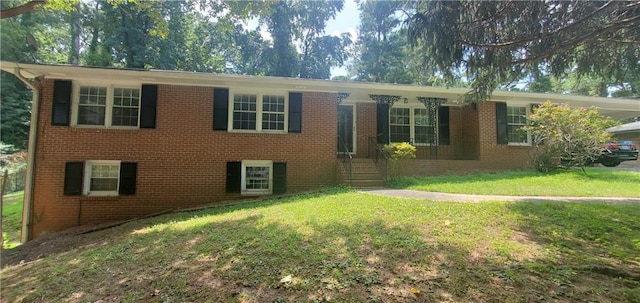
[{"x": 50, "y": 244}]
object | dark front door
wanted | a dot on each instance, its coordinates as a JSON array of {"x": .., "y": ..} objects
[{"x": 345, "y": 128}]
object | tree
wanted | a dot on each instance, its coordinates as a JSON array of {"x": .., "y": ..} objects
[
  {"x": 299, "y": 47},
  {"x": 15, "y": 113},
  {"x": 497, "y": 42},
  {"x": 15, "y": 97},
  {"x": 381, "y": 46},
  {"x": 567, "y": 137}
]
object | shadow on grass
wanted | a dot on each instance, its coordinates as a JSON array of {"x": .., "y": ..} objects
[
  {"x": 584, "y": 228},
  {"x": 247, "y": 258},
  {"x": 600, "y": 241},
  {"x": 246, "y": 255},
  {"x": 72, "y": 238}
]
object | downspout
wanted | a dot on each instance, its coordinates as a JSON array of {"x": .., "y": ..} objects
[{"x": 31, "y": 156}]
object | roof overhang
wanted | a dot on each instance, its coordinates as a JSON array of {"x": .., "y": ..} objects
[
  {"x": 614, "y": 107},
  {"x": 633, "y": 127}
]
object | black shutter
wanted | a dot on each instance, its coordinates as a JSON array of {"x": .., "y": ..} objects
[
  {"x": 501, "y": 123},
  {"x": 73, "y": 172},
  {"x": 148, "y": 106},
  {"x": 61, "y": 102},
  {"x": 295, "y": 112},
  {"x": 382, "y": 114},
  {"x": 128, "y": 174},
  {"x": 279, "y": 178},
  {"x": 443, "y": 125},
  {"x": 534, "y": 107},
  {"x": 220, "y": 108},
  {"x": 234, "y": 177}
]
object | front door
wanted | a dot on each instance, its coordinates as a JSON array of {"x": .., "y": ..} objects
[{"x": 345, "y": 129}]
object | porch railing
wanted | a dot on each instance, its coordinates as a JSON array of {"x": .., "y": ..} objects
[
  {"x": 346, "y": 158},
  {"x": 378, "y": 156}
]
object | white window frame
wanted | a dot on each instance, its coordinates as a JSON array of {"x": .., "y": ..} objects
[
  {"x": 259, "y": 102},
  {"x": 108, "y": 115},
  {"x": 256, "y": 163},
  {"x": 412, "y": 124},
  {"x": 527, "y": 112},
  {"x": 86, "y": 185}
]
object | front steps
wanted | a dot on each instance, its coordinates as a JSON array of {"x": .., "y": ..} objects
[{"x": 364, "y": 174}]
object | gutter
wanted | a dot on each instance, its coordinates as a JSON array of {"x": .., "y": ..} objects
[{"x": 27, "y": 205}]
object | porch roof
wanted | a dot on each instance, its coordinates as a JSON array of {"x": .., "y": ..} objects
[{"x": 359, "y": 91}]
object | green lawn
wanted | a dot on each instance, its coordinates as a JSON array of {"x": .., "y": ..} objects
[
  {"x": 343, "y": 246},
  {"x": 12, "y": 219},
  {"x": 596, "y": 182}
]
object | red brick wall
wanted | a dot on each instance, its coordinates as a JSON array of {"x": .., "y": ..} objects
[
  {"x": 499, "y": 156},
  {"x": 181, "y": 163},
  {"x": 470, "y": 133},
  {"x": 365, "y": 127}
]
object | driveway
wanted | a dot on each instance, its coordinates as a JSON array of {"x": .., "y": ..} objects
[{"x": 406, "y": 193}]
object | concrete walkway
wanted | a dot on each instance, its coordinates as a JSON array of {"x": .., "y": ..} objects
[{"x": 406, "y": 193}]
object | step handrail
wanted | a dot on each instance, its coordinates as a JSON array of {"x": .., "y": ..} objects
[
  {"x": 347, "y": 158},
  {"x": 379, "y": 156}
]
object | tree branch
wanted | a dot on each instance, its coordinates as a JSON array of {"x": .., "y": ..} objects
[
  {"x": 579, "y": 41},
  {"x": 19, "y": 10},
  {"x": 540, "y": 35}
]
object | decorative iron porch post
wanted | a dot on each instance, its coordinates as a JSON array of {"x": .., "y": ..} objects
[
  {"x": 432, "y": 105},
  {"x": 341, "y": 96}
]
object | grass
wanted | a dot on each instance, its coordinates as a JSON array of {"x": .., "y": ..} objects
[
  {"x": 12, "y": 219},
  {"x": 595, "y": 183},
  {"x": 343, "y": 246}
]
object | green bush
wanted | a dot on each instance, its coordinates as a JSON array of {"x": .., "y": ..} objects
[
  {"x": 567, "y": 137},
  {"x": 397, "y": 151}
]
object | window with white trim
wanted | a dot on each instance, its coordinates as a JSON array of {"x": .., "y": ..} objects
[
  {"x": 516, "y": 121},
  {"x": 101, "y": 178},
  {"x": 410, "y": 124},
  {"x": 258, "y": 112},
  {"x": 399, "y": 125},
  {"x": 257, "y": 177},
  {"x": 109, "y": 106}
]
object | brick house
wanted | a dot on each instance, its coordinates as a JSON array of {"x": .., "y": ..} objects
[{"x": 111, "y": 144}]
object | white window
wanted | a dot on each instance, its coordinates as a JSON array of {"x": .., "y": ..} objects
[
  {"x": 410, "y": 124},
  {"x": 516, "y": 121},
  {"x": 109, "y": 106},
  {"x": 400, "y": 125},
  {"x": 101, "y": 178},
  {"x": 258, "y": 112},
  {"x": 257, "y": 177}
]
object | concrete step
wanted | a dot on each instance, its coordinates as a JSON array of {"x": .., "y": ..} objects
[
  {"x": 364, "y": 174},
  {"x": 365, "y": 183}
]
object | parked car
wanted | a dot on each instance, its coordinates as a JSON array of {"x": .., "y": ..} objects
[{"x": 617, "y": 151}]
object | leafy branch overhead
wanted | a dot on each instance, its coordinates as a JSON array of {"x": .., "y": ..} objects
[{"x": 494, "y": 43}]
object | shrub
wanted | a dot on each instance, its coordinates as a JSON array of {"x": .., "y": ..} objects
[
  {"x": 397, "y": 151},
  {"x": 567, "y": 137}
]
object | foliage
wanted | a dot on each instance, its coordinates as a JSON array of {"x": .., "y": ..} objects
[
  {"x": 11, "y": 219},
  {"x": 398, "y": 151},
  {"x": 567, "y": 137},
  {"x": 494, "y": 43},
  {"x": 382, "y": 55},
  {"x": 341, "y": 246}
]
